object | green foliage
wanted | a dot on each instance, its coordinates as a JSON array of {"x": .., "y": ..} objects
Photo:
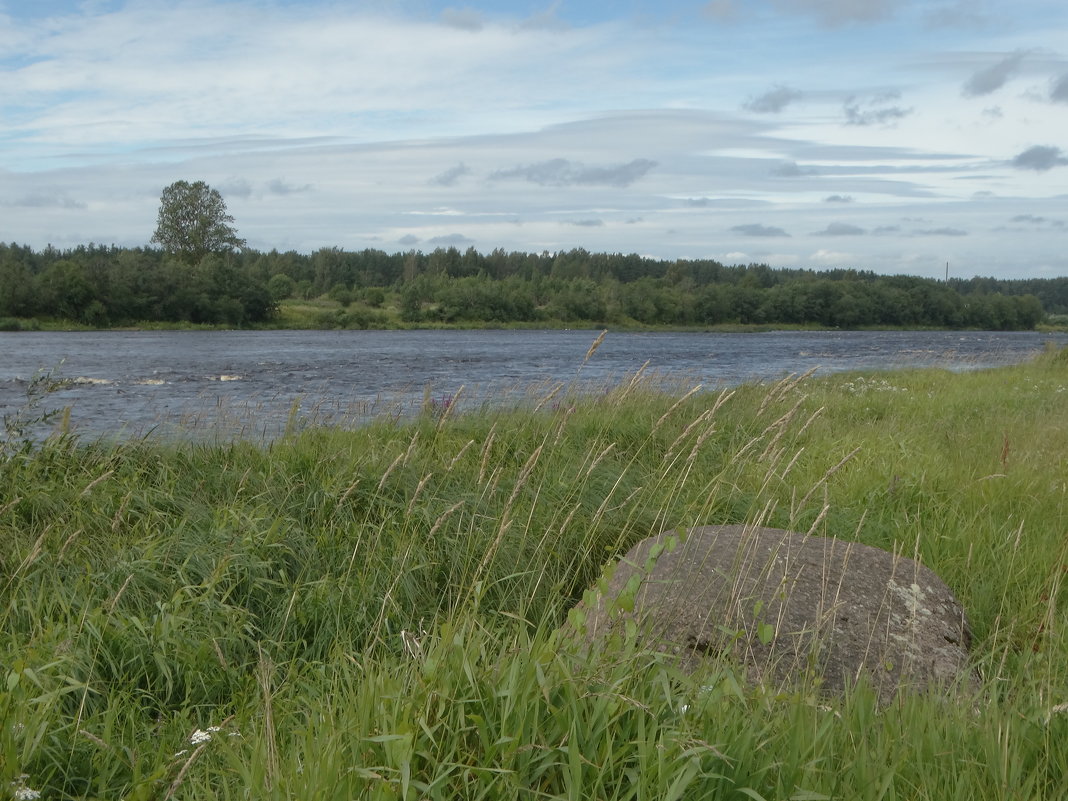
[
  {"x": 102, "y": 286},
  {"x": 281, "y": 286},
  {"x": 193, "y": 222}
]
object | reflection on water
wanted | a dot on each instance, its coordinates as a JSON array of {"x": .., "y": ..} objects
[{"x": 255, "y": 383}]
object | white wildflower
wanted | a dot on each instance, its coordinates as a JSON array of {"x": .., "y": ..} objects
[
  {"x": 203, "y": 735},
  {"x": 21, "y": 792}
]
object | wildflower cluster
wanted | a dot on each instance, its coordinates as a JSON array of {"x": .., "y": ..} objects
[
  {"x": 862, "y": 386},
  {"x": 20, "y": 791},
  {"x": 201, "y": 736}
]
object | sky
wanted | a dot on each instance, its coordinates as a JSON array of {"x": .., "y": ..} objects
[{"x": 898, "y": 136}]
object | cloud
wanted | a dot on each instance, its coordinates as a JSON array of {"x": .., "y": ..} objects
[
  {"x": 1040, "y": 158},
  {"x": 1058, "y": 91},
  {"x": 451, "y": 175},
  {"x": 464, "y": 19},
  {"x": 1036, "y": 220},
  {"x": 834, "y": 13},
  {"x": 947, "y": 231},
  {"x": 838, "y": 199},
  {"x": 756, "y": 229},
  {"x": 450, "y": 240},
  {"x": 40, "y": 200},
  {"x": 236, "y": 187},
  {"x": 840, "y": 229},
  {"x": 722, "y": 10},
  {"x": 277, "y": 186},
  {"x": 587, "y": 223},
  {"x": 887, "y": 229},
  {"x": 832, "y": 257},
  {"x": 561, "y": 172},
  {"x": 992, "y": 78},
  {"x": 544, "y": 20},
  {"x": 790, "y": 169},
  {"x": 408, "y": 239},
  {"x": 773, "y": 101},
  {"x": 875, "y": 110},
  {"x": 959, "y": 15}
]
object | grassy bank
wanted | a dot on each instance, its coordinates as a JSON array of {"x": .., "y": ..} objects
[
  {"x": 374, "y": 613},
  {"x": 326, "y": 314}
]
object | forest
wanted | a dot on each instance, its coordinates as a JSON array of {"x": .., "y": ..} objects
[{"x": 110, "y": 286}]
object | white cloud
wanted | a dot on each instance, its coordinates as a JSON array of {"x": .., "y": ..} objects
[{"x": 832, "y": 258}]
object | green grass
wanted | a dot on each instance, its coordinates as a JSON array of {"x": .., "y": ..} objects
[{"x": 376, "y": 613}]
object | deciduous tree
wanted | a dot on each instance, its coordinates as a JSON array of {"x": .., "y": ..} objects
[{"x": 193, "y": 222}]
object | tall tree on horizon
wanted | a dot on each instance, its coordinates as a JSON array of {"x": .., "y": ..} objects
[{"x": 193, "y": 222}]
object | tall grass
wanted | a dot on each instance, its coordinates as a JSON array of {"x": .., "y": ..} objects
[{"x": 376, "y": 613}]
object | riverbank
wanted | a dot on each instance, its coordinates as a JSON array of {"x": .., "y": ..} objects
[
  {"x": 372, "y": 613},
  {"x": 326, "y": 314}
]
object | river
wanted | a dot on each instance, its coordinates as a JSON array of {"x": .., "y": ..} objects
[{"x": 250, "y": 383}]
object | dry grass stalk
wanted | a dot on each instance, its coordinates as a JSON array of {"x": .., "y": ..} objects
[
  {"x": 173, "y": 788},
  {"x": 604, "y": 504},
  {"x": 184, "y": 770},
  {"x": 264, "y": 675},
  {"x": 704, "y": 435},
  {"x": 506, "y": 514},
  {"x": 115, "y": 598},
  {"x": 418, "y": 489},
  {"x": 487, "y": 448},
  {"x": 95, "y": 740},
  {"x": 116, "y": 521},
  {"x": 781, "y": 389},
  {"x": 31, "y": 557},
  {"x": 411, "y": 448},
  {"x": 670, "y": 452},
  {"x": 597, "y": 460},
  {"x": 545, "y": 399},
  {"x": 674, "y": 406},
  {"x": 219, "y": 654},
  {"x": 809, "y": 421},
  {"x": 635, "y": 380},
  {"x": 459, "y": 456},
  {"x": 68, "y": 541},
  {"x": 827, "y": 476},
  {"x": 348, "y": 491},
  {"x": 385, "y": 475},
  {"x": 562, "y": 424},
  {"x": 95, "y": 481},
  {"x": 780, "y": 426},
  {"x": 823, "y": 512},
  {"x": 448, "y": 407},
  {"x": 596, "y": 344},
  {"x": 443, "y": 517},
  {"x": 10, "y": 505},
  {"x": 793, "y": 461}
]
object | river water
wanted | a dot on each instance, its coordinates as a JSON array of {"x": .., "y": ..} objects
[{"x": 250, "y": 383}]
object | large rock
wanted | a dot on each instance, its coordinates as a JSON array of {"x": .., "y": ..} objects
[{"x": 789, "y": 607}]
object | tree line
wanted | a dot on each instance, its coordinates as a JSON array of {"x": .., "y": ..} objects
[{"x": 111, "y": 286}]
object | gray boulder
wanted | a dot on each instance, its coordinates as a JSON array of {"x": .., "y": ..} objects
[{"x": 789, "y": 607}]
